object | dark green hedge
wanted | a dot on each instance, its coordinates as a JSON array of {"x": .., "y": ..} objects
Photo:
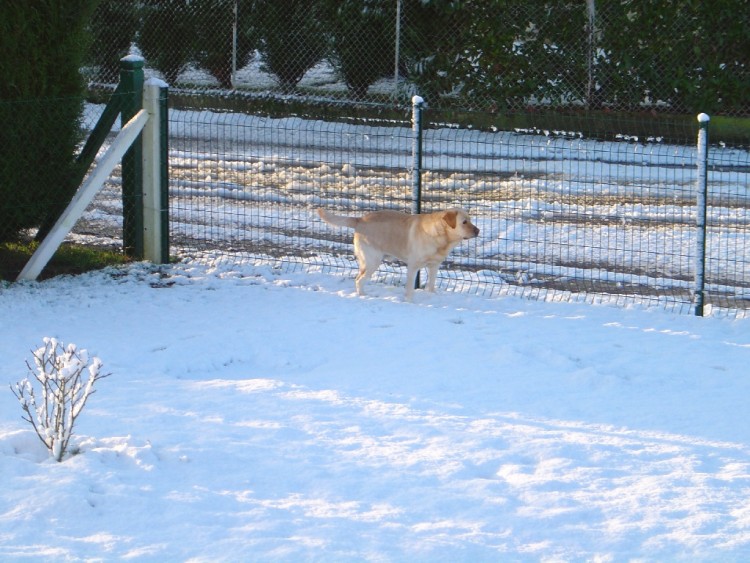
[
  {"x": 686, "y": 56},
  {"x": 682, "y": 56},
  {"x": 42, "y": 44}
]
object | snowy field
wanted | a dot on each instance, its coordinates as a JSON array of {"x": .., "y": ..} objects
[{"x": 254, "y": 414}]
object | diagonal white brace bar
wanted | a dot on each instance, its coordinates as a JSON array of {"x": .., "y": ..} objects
[{"x": 83, "y": 196}]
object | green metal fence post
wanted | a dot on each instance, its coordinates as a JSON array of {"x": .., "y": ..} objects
[
  {"x": 700, "y": 215},
  {"x": 131, "y": 82},
  {"x": 164, "y": 150},
  {"x": 416, "y": 170}
]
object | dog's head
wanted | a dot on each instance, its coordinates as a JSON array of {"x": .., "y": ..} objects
[{"x": 458, "y": 220}]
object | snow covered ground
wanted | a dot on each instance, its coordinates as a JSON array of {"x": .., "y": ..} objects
[{"x": 255, "y": 414}]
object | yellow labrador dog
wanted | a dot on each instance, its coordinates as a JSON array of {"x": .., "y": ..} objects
[{"x": 419, "y": 240}]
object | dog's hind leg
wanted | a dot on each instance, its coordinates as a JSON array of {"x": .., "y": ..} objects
[
  {"x": 411, "y": 280},
  {"x": 369, "y": 260}
]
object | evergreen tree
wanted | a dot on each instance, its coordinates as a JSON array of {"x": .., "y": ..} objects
[
  {"x": 113, "y": 29},
  {"x": 290, "y": 37},
  {"x": 42, "y": 47},
  {"x": 363, "y": 40},
  {"x": 167, "y": 37},
  {"x": 214, "y": 35}
]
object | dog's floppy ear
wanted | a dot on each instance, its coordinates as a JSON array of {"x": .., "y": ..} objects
[{"x": 450, "y": 218}]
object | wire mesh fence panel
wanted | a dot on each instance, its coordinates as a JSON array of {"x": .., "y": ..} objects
[
  {"x": 677, "y": 56},
  {"x": 728, "y": 222},
  {"x": 562, "y": 216},
  {"x": 248, "y": 185}
]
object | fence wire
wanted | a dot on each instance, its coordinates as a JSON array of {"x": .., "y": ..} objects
[
  {"x": 562, "y": 216},
  {"x": 676, "y": 56}
]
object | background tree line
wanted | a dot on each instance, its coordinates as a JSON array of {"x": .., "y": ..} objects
[{"x": 688, "y": 55}]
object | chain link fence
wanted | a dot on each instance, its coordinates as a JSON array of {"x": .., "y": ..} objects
[{"x": 675, "y": 56}]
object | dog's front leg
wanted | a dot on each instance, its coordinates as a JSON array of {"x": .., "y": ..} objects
[
  {"x": 411, "y": 280},
  {"x": 432, "y": 270}
]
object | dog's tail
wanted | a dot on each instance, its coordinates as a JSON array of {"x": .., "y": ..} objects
[{"x": 338, "y": 220}]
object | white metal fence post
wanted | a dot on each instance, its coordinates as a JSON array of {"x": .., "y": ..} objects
[
  {"x": 83, "y": 197},
  {"x": 155, "y": 228}
]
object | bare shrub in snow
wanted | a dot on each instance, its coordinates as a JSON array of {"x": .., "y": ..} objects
[{"x": 65, "y": 380}]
